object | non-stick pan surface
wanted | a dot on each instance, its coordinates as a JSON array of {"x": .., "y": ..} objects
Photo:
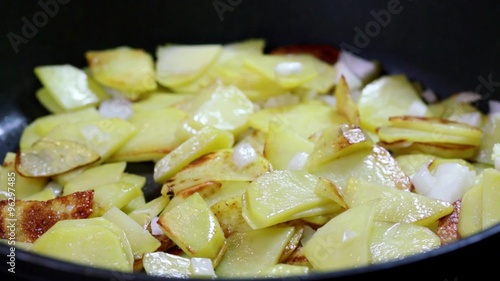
[{"x": 449, "y": 46}]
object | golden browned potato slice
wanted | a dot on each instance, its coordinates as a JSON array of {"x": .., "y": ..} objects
[
  {"x": 447, "y": 229},
  {"x": 34, "y": 218}
]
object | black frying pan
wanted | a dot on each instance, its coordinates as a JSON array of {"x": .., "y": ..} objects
[{"x": 449, "y": 46}]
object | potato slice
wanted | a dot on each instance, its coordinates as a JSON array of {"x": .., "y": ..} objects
[
  {"x": 305, "y": 118},
  {"x": 154, "y": 137},
  {"x": 335, "y": 142},
  {"x": 249, "y": 253},
  {"x": 447, "y": 229},
  {"x": 229, "y": 215},
  {"x": 470, "y": 220},
  {"x": 207, "y": 140},
  {"x": 52, "y": 157},
  {"x": 146, "y": 213},
  {"x": 34, "y": 218},
  {"x": 95, "y": 176},
  {"x": 344, "y": 241},
  {"x": 375, "y": 164},
  {"x": 385, "y": 97},
  {"x": 270, "y": 66},
  {"x": 43, "y": 125},
  {"x": 345, "y": 104},
  {"x": 104, "y": 136},
  {"x": 394, "y": 241},
  {"x": 166, "y": 265},
  {"x": 214, "y": 167},
  {"x": 445, "y": 150},
  {"x": 44, "y": 97},
  {"x": 396, "y": 205},
  {"x": 193, "y": 227},
  {"x": 117, "y": 194},
  {"x": 24, "y": 186},
  {"x": 85, "y": 241},
  {"x": 491, "y": 197},
  {"x": 284, "y": 270},
  {"x": 282, "y": 144},
  {"x": 131, "y": 71},
  {"x": 141, "y": 241},
  {"x": 180, "y": 64},
  {"x": 69, "y": 87},
  {"x": 159, "y": 100},
  {"x": 279, "y": 196},
  {"x": 223, "y": 107}
]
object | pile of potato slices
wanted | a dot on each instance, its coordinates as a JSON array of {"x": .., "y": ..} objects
[{"x": 275, "y": 163}]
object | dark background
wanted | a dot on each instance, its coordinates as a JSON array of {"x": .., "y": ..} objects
[{"x": 447, "y": 45}]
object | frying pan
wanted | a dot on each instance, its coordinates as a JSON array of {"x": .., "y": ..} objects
[{"x": 449, "y": 46}]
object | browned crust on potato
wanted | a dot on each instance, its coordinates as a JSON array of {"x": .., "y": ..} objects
[
  {"x": 34, "y": 218},
  {"x": 447, "y": 229}
]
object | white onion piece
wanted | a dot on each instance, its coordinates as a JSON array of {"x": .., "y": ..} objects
[
  {"x": 494, "y": 106},
  {"x": 473, "y": 118},
  {"x": 423, "y": 181},
  {"x": 429, "y": 96},
  {"x": 449, "y": 182},
  {"x": 244, "y": 154},
  {"x": 288, "y": 68},
  {"x": 202, "y": 267},
  {"x": 298, "y": 161},
  {"x": 467, "y": 97},
  {"x": 330, "y": 100},
  {"x": 116, "y": 108},
  {"x": 358, "y": 65},
  {"x": 495, "y": 156},
  {"x": 353, "y": 81},
  {"x": 56, "y": 188},
  {"x": 417, "y": 108},
  {"x": 155, "y": 227}
]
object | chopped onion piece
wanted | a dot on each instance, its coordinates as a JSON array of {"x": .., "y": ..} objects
[
  {"x": 359, "y": 66},
  {"x": 298, "y": 161},
  {"x": 449, "y": 182},
  {"x": 473, "y": 118},
  {"x": 201, "y": 267},
  {"x": 155, "y": 228},
  {"x": 330, "y": 100},
  {"x": 117, "y": 107},
  {"x": 244, "y": 154},
  {"x": 494, "y": 106},
  {"x": 467, "y": 97},
  {"x": 429, "y": 96},
  {"x": 288, "y": 68},
  {"x": 353, "y": 81},
  {"x": 56, "y": 188},
  {"x": 417, "y": 108},
  {"x": 495, "y": 156}
]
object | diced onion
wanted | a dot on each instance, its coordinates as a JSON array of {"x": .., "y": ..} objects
[
  {"x": 417, "y": 108},
  {"x": 155, "y": 227},
  {"x": 244, "y": 154},
  {"x": 298, "y": 161},
  {"x": 116, "y": 108},
  {"x": 495, "y": 156},
  {"x": 288, "y": 68},
  {"x": 330, "y": 100},
  {"x": 449, "y": 182},
  {"x": 353, "y": 81},
  {"x": 429, "y": 96},
  {"x": 494, "y": 106},
  {"x": 359, "y": 66},
  {"x": 473, "y": 118},
  {"x": 467, "y": 97},
  {"x": 56, "y": 188}
]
